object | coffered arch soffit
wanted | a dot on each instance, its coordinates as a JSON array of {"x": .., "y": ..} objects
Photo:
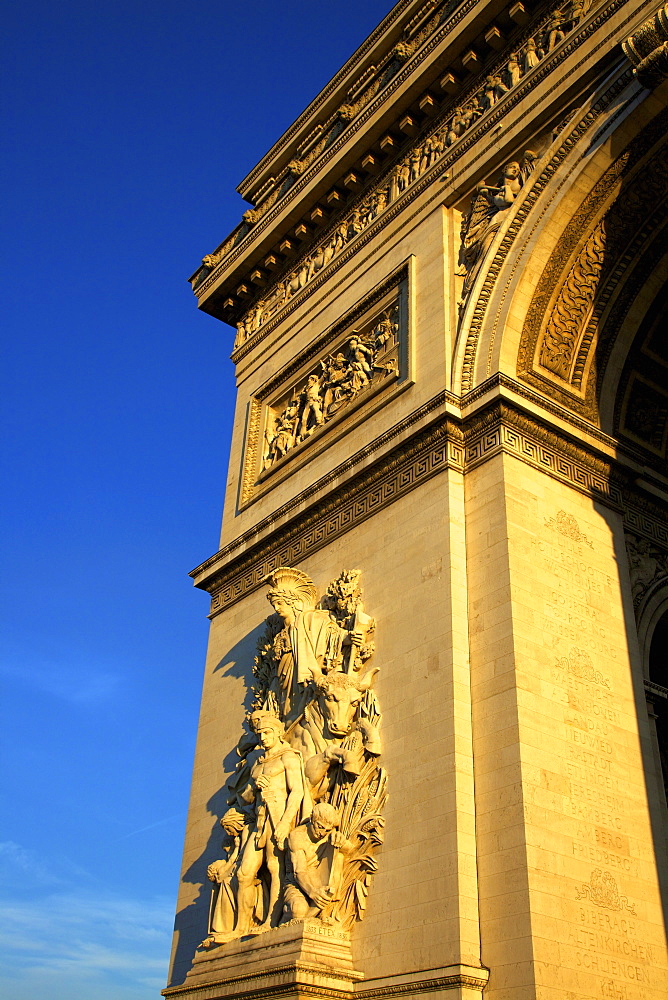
[{"x": 579, "y": 261}]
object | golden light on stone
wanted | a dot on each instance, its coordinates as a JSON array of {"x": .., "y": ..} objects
[{"x": 448, "y": 478}]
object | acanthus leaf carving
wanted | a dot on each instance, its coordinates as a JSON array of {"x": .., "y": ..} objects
[{"x": 573, "y": 319}]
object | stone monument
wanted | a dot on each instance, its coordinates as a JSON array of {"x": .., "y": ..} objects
[{"x": 435, "y": 761}]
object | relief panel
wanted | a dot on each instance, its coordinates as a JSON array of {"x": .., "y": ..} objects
[{"x": 354, "y": 363}]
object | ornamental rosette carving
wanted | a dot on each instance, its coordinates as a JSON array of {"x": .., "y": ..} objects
[{"x": 305, "y": 816}]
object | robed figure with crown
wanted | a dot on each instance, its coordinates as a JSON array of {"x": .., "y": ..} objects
[{"x": 309, "y": 640}]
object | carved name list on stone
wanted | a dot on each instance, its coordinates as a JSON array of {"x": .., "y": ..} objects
[
  {"x": 306, "y": 801},
  {"x": 366, "y": 358},
  {"x": 549, "y": 33},
  {"x": 594, "y": 790},
  {"x": 571, "y": 608}
]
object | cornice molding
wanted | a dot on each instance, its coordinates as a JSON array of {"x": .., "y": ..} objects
[
  {"x": 517, "y": 95},
  {"x": 394, "y": 209},
  {"x": 349, "y": 66},
  {"x": 473, "y": 979},
  {"x": 360, "y": 457},
  {"x": 532, "y": 396},
  {"x": 271, "y": 982},
  {"x": 505, "y": 429},
  {"x": 355, "y": 126},
  {"x": 644, "y": 518},
  {"x": 289, "y": 979},
  {"x": 437, "y": 447},
  {"x": 447, "y": 442}
]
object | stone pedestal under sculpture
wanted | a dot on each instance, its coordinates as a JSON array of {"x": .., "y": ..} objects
[{"x": 291, "y": 960}]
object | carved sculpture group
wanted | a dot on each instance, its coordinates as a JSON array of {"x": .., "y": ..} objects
[
  {"x": 648, "y": 565},
  {"x": 306, "y": 801},
  {"x": 338, "y": 379},
  {"x": 489, "y": 208}
]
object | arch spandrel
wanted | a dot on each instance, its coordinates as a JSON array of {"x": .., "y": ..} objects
[{"x": 574, "y": 263}]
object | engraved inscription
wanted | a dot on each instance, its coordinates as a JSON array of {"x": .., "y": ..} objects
[
  {"x": 595, "y": 796},
  {"x": 573, "y": 605}
]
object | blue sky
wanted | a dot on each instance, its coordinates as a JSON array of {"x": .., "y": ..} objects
[{"x": 128, "y": 125}]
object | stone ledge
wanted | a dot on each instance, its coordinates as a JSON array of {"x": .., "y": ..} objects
[
  {"x": 206, "y": 981},
  {"x": 451, "y": 977}
]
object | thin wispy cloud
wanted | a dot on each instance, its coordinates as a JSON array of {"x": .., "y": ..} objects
[
  {"x": 85, "y": 685},
  {"x": 151, "y": 826},
  {"x": 61, "y": 939},
  {"x": 16, "y": 863}
]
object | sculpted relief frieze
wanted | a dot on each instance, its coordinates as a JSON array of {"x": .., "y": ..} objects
[
  {"x": 362, "y": 356},
  {"x": 530, "y": 51},
  {"x": 366, "y": 357},
  {"x": 305, "y": 804}
]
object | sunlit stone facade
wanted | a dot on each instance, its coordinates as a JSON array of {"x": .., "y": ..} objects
[{"x": 448, "y": 473}]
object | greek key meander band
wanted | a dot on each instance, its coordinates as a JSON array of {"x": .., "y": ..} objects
[{"x": 445, "y": 443}]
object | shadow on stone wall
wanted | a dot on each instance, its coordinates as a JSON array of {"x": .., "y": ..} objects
[
  {"x": 639, "y": 423},
  {"x": 652, "y": 776},
  {"x": 191, "y": 923}
]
